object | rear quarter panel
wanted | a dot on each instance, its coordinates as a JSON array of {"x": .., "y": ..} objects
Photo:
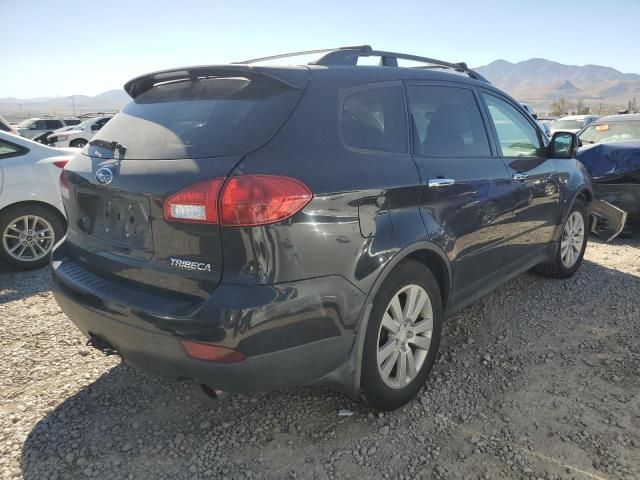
[
  {"x": 328, "y": 236},
  {"x": 29, "y": 178}
]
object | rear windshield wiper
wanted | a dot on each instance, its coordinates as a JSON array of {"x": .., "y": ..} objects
[{"x": 113, "y": 146}]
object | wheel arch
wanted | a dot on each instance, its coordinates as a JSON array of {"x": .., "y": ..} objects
[
  {"x": 39, "y": 203},
  {"x": 584, "y": 193},
  {"x": 432, "y": 257}
]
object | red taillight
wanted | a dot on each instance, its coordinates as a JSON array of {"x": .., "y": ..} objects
[
  {"x": 211, "y": 353},
  {"x": 195, "y": 204},
  {"x": 247, "y": 200},
  {"x": 261, "y": 199},
  {"x": 60, "y": 163}
]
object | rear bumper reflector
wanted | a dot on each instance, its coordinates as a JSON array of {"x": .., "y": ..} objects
[{"x": 211, "y": 353}]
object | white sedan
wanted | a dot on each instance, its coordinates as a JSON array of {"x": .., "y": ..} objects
[{"x": 32, "y": 218}]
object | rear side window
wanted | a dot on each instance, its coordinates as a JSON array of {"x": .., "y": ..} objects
[
  {"x": 374, "y": 119},
  {"x": 9, "y": 149},
  {"x": 200, "y": 118},
  {"x": 72, "y": 122},
  {"x": 447, "y": 122},
  {"x": 517, "y": 136}
]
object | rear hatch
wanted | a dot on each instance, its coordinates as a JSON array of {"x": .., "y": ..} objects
[{"x": 182, "y": 128}]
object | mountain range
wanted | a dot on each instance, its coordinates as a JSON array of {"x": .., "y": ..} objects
[
  {"x": 14, "y": 109},
  {"x": 540, "y": 82},
  {"x": 536, "y": 81}
]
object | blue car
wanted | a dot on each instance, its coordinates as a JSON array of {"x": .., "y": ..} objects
[{"x": 611, "y": 154}]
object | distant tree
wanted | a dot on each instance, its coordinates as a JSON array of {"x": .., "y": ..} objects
[
  {"x": 559, "y": 108},
  {"x": 632, "y": 106},
  {"x": 582, "y": 109}
]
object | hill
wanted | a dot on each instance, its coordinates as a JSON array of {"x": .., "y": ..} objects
[
  {"x": 540, "y": 82},
  {"x": 14, "y": 109}
]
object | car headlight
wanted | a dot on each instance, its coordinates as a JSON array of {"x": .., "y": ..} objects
[{"x": 62, "y": 138}]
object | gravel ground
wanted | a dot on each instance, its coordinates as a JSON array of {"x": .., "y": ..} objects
[{"x": 539, "y": 380}]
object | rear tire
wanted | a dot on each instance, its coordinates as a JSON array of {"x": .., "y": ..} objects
[
  {"x": 410, "y": 345},
  {"x": 43, "y": 229},
  {"x": 573, "y": 243}
]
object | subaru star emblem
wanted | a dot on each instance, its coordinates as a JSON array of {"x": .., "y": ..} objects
[{"x": 104, "y": 176}]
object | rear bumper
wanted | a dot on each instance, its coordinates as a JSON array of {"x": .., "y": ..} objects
[{"x": 290, "y": 340}]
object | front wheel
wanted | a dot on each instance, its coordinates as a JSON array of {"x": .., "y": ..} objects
[
  {"x": 403, "y": 336},
  {"x": 572, "y": 245},
  {"x": 80, "y": 143}
]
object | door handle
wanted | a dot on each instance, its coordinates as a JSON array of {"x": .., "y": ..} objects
[
  {"x": 441, "y": 182},
  {"x": 519, "y": 177}
]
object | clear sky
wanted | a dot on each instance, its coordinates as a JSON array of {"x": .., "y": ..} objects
[{"x": 53, "y": 47}]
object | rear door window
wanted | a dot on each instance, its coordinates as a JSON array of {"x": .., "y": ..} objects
[
  {"x": 201, "y": 118},
  {"x": 373, "y": 118},
  {"x": 53, "y": 124},
  {"x": 447, "y": 122}
]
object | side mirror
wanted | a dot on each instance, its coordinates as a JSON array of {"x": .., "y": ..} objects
[
  {"x": 563, "y": 145},
  {"x": 534, "y": 115}
]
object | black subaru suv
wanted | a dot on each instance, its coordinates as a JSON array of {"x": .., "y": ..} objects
[{"x": 258, "y": 227}]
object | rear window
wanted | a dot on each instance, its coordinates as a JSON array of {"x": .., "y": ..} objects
[
  {"x": 208, "y": 117},
  {"x": 72, "y": 121},
  {"x": 4, "y": 125}
]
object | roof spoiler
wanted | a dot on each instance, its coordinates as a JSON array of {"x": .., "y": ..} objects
[
  {"x": 296, "y": 78},
  {"x": 345, "y": 56}
]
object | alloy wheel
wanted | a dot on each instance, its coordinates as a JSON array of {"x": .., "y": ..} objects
[
  {"x": 572, "y": 240},
  {"x": 28, "y": 238},
  {"x": 404, "y": 336}
]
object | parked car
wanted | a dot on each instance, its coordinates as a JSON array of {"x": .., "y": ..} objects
[
  {"x": 6, "y": 126},
  {"x": 78, "y": 136},
  {"x": 545, "y": 127},
  {"x": 529, "y": 110},
  {"x": 572, "y": 123},
  {"x": 255, "y": 227},
  {"x": 33, "y": 127},
  {"x": 611, "y": 154},
  {"x": 612, "y": 129},
  {"x": 32, "y": 217}
]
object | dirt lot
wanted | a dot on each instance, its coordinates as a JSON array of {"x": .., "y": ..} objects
[{"x": 539, "y": 380}]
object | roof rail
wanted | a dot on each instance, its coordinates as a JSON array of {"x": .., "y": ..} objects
[
  {"x": 349, "y": 56},
  {"x": 96, "y": 114}
]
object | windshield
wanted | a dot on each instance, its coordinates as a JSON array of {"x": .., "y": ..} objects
[
  {"x": 84, "y": 125},
  {"x": 611, "y": 132},
  {"x": 567, "y": 124},
  {"x": 26, "y": 123}
]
